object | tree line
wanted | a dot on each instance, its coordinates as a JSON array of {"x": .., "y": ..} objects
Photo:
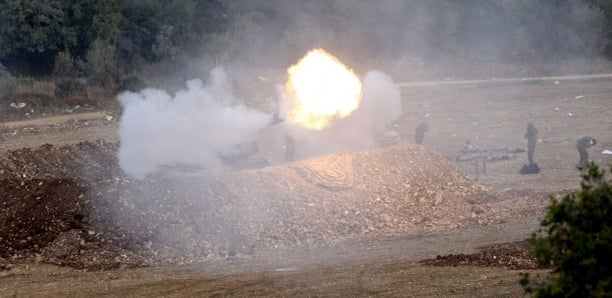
[
  {"x": 105, "y": 40},
  {"x": 99, "y": 37}
]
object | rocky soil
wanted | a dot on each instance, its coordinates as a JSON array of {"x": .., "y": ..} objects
[
  {"x": 350, "y": 224},
  {"x": 71, "y": 205}
]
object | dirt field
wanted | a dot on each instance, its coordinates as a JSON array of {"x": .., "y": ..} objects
[{"x": 375, "y": 252}]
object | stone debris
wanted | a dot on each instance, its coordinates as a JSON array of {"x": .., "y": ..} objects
[{"x": 72, "y": 205}]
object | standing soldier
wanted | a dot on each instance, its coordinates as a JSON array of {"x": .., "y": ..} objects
[
  {"x": 532, "y": 139},
  {"x": 582, "y": 145},
  {"x": 289, "y": 148},
  {"x": 419, "y": 133}
]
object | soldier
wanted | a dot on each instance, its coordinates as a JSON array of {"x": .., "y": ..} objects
[
  {"x": 582, "y": 145},
  {"x": 532, "y": 138},
  {"x": 289, "y": 148},
  {"x": 276, "y": 119},
  {"x": 419, "y": 133}
]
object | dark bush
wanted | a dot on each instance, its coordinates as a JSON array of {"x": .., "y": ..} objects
[
  {"x": 65, "y": 65},
  {"x": 7, "y": 85},
  {"x": 70, "y": 87},
  {"x": 3, "y": 71},
  {"x": 576, "y": 240},
  {"x": 131, "y": 83},
  {"x": 102, "y": 68}
]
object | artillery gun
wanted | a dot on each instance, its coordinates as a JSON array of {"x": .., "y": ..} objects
[{"x": 241, "y": 156}]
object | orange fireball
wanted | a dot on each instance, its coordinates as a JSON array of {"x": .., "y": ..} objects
[{"x": 320, "y": 89}]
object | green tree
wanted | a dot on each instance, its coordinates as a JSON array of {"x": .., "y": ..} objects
[
  {"x": 94, "y": 19},
  {"x": 605, "y": 6},
  {"x": 577, "y": 241},
  {"x": 33, "y": 32},
  {"x": 155, "y": 30},
  {"x": 102, "y": 64}
]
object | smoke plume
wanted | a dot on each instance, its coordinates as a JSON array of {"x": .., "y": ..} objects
[
  {"x": 192, "y": 128},
  {"x": 380, "y": 105}
]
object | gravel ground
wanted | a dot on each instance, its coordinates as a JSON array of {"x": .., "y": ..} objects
[
  {"x": 75, "y": 208},
  {"x": 71, "y": 205}
]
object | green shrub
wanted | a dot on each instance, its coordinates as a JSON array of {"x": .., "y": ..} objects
[
  {"x": 64, "y": 65},
  {"x": 70, "y": 87},
  {"x": 131, "y": 83},
  {"x": 26, "y": 80},
  {"x": 101, "y": 64},
  {"x": 4, "y": 72},
  {"x": 7, "y": 89},
  {"x": 8, "y": 85},
  {"x": 576, "y": 240}
]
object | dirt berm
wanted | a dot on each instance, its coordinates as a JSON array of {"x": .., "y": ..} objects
[{"x": 73, "y": 206}]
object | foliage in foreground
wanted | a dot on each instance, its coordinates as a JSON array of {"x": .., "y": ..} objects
[{"x": 576, "y": 240}]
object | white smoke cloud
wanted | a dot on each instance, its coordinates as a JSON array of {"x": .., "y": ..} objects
[
  {"x": 380, "y": 105},
  {"x": 200, "y": 124},
  {"x": 192, "y": 128}
]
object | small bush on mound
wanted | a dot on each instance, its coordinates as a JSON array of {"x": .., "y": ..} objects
[
  {"x": 70, "y": 87},
  {"x": 577, "y": 241}
]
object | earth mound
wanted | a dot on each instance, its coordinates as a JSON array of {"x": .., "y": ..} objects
[
  {"x": 72, "y": 205},
  {"x": 511, "y": 255}
]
